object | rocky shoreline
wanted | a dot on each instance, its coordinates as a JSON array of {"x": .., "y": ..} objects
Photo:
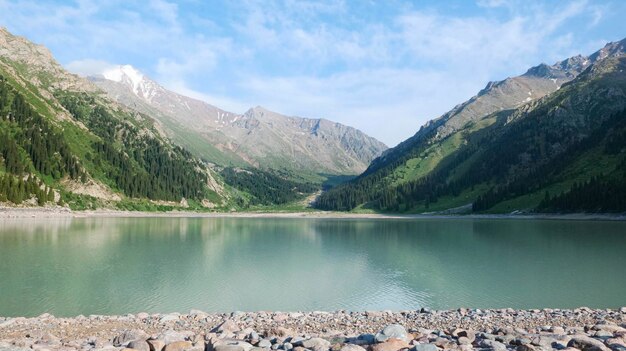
[{"x": 460, "y": 330}]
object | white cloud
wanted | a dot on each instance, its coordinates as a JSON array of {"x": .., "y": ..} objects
[
  {"x": 491, "y": 3},
  {"x": 388, "y": 103},
  {"x": 386, "y": 75},
  {"x": 89, "y": 67}
]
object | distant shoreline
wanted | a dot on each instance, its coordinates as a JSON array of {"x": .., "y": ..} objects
[{"x": 60, "y": 212}]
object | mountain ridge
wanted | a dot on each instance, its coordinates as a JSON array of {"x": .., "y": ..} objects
[
  {"x": 258, "y": 137},
  {"x": 66, "y": 143},
  {"x": 446, "y": 157}
]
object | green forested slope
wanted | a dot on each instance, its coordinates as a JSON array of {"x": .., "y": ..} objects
[
  {"x": 112, "y": 150},
  {"x": 63, "y": 141},
  {"x": 521, "y": 159}
]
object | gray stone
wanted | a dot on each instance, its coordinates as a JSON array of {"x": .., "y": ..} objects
[
  {"x": 129, "y": 335},
  {"x": 363, "y": 339},
  {"x": 603, "y": 334},
  {"x": 140, "y": 345},
  {"x": 297, "y": 340},
  {"x": 264, "y": 343},
  {"x": 351, "y": 347},
  {"x": 392, "y": 331},
  {"x": 585, "y": 343},
  {"x": 493, "y": 345},
  {"x": 228, "y": 345},
  {"x": 287, "y": 346},
  {"x": 425, "y": 347},
  {"x": 316, "y": 344}
]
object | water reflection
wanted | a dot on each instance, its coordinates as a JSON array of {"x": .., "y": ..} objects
[{"x": 120, "y": 265}]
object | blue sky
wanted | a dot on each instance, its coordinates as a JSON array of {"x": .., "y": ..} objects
[{"x": 385, "y": 67}]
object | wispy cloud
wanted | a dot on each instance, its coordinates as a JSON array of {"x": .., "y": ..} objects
[{"x": 385, "y": 68}]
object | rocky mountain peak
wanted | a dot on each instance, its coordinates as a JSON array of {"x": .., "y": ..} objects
[
  {"x": 134, "y": 80},
  {"x": 36, "y": 64},
  {"x": 609, "y": 50},
  {"x": 20, "y": 49}
]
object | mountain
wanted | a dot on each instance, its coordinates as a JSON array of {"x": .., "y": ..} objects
[
  {"x": 259, "y": 137},
  {"x": 63, "y": 141},
  {"x": 61, "y": 136},
  {"x": 517, "y": 145}
]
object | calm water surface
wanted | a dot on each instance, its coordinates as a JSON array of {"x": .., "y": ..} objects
[{"x": 127, "y": 265}]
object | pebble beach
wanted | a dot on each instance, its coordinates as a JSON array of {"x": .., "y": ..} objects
[{"x": 581, "y": 329}]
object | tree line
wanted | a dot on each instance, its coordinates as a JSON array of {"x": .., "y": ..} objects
[
  {"x": 266, "y": 188},
  {"x": 139, "y": 164}
]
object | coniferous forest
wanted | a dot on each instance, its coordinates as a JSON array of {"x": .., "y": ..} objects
[
  {"x": 266, "y": 188},
  {"x": 139, "y": 165},
  {"x": 30, "y": 145}
]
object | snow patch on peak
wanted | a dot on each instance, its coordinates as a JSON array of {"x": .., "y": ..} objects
[
  {"x": 125, "y": 74},
  {"x": 118, "y": 73},
  {"x": 130, "y": 76}
]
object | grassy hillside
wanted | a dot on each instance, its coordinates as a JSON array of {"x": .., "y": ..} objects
[
  {"x": 550, "y": 155},
  {"x": 63, "y": 141}
]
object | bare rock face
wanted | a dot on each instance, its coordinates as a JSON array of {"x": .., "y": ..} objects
[
  {"x": 522, "y": 92},
  {"x": 39, "y": 64},
  {"x": 259, "y": 137}
]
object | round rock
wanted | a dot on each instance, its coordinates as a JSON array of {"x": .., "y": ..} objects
[{"x": 392, "y": 331}]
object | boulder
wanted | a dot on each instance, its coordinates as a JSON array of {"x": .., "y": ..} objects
[
  {"x": 170, "y": 336},
  {"x": 392, "y": 331},
  {"x": 264, "y": 343},
  {"x": 156, "y": 345},
  {"x": 316, "y": 344},
  {"x": 227, "y": 345},
  {"x": 139, "y": 345},
  {"x": 351, "y": 347},
  {"x": 585, "y": 343},
  {"x": 178, "y": 346},
  {"x": 228, "y": 326},
  {"x": 493, "y": 345},
  {"x": 363, "y": 339},
  {"x": 425, "y": 347},
  {"x": 129, "y": 335},
  {"x": 390, "y": 345}
]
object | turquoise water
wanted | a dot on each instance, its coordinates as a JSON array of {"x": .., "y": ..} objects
[{"x": 87, "y": 266}]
